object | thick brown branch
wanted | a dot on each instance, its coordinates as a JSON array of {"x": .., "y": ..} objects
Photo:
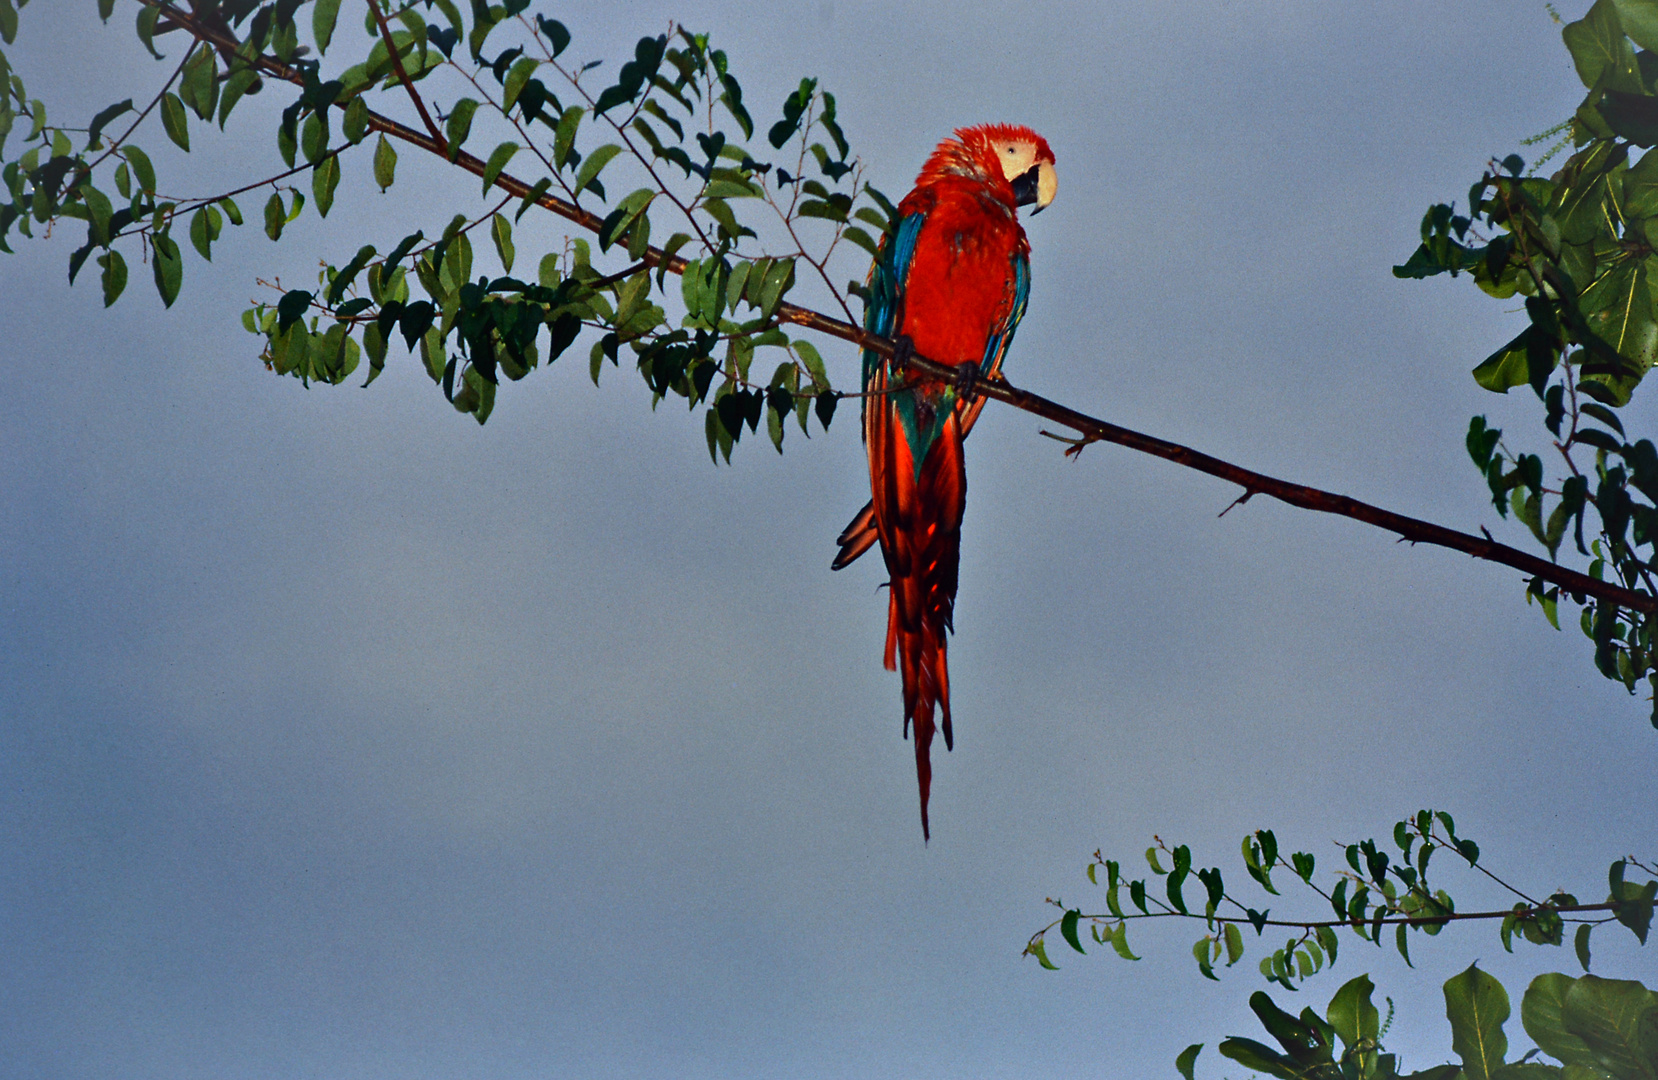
[{"x": 1092, "y": 428}]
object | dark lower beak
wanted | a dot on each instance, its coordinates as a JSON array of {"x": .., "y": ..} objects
[{"x": 1024, "y": 188}]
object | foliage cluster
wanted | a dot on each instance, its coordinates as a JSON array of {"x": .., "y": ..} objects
[
  {"x": 1581, "y": 248},
  {"x": 1375, "y": 891},
  {"x": 673, "y": 121},
  {"x": 1597, "y": 1029}
]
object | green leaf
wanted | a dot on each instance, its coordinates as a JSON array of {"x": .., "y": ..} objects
[
  {"x": 1119, "y": 936},
  {"x": 564, "y": 136},
  {"x": 1187, "y": 1059},
  {"x": 1353, "y": 1015},
  {"x": 1234, "y": 944},
  {"x": 592, "y": 164},
  {"x": 1600, "y": 52},
  {"x": 1068, "y": 929},
  {"x": 1036, "y": 947},
  {"x": 459, "y": 125},
  {"x": 385, "y": 163},
  {"x": 517, "y": 76},
  {"x": 168, "y": 267},
  {"x": 203, "y": 233},
  {"x": 324, "y": 179},
  {"x": 142, "y": 170},
  {"x": 500, "y": 230},
  {"x": 174, "y": 121},
  {"x": 1477, "y": 1006},
  {"x": 275, "y": 216},
  {"x": 355, "y": 123},
  {"x": 114, "y": 276},
  {"x": 235, "y": 86},
  {"x": 1542, "y": 1015},
  {"x": 322, "y": 23},
  {"x": 1617, "y": 1019},
  {"x": 498, "y": 159},
  {"x": 343, "y": 279}
]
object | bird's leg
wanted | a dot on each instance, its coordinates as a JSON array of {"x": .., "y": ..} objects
[{"x": 966, "y": 380}]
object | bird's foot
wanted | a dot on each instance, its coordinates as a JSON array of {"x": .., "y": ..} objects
[
  {"x": 902, "y": 349},
  {"x": 966, "y": 380}
]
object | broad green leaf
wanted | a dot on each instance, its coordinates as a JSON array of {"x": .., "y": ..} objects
[
  {"x": 355, "y": 123},
  {"x": 1261, "y": 1058},
  {"x": 593, "y": 163},
  {"x": 1068, "y": 929},
  {"x": 1036, "y": 947},
  {"x": 497, "y": 161},
  {"x": 168, "y": 267},
  {"x": 459, "y": 125},
  {"x": 1187, "y": 1059},
  {"x": 500, "y": 230},
  {"x": 385, "y": 163},
  {"x": 324, "y": 179},
  {"x": 1600, "y": 51},
  {"x": 202, "y": 232},
  {"x": 313, "y": 137},
  {"x": 1477, "y": 1006},
  {"x": 322, "y": 23},
  {"x": 1617, "y": 1020},
  {"x": 275, "y": 216},
  {"x": 1353, "y": 1015},
  {"x": 114, "y": 276},
  {"x": 235, "y": 86},
  {"x": 142, "y": 170},
  {"x": 517, "y": 76},
  {"x": 1541, "y": 1012},
  {"x": 564, "y": 136},
  {"x": 174, "y": 121},
  {"x": 1619, "y": 309}
]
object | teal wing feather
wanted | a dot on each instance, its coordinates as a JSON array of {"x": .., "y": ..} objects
[
  {"x": 995, "y": 349},
  {"x": 887, "y": 278}
]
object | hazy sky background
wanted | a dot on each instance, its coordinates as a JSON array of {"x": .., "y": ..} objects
[{"x": 345, "y": 739}]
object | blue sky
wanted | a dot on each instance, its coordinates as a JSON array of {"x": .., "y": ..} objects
[{"x": 344, "y": 738}]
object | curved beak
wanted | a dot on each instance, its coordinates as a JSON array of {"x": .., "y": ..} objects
[{"x": 1036, "y": 186}]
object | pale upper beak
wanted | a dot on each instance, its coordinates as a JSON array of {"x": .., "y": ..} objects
[{"x": 1036, "y": 186}]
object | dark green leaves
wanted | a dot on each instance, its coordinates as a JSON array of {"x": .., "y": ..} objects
[
  {"x": 794, "y": 107},
  {"x": 647, "y": 59},
  {"x": 1606, "y": 1026}
]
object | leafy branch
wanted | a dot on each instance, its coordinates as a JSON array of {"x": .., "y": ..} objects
[{"x": 1377, "y": 888}]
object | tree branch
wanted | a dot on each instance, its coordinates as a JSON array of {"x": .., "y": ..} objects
[{"x": 1091, "y": 428}]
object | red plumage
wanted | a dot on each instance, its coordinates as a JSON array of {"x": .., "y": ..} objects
[{"x": 956, "y": 294}]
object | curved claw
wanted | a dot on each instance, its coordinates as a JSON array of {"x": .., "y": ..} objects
[
  {"x": 902, "y": 349},
  {"x": 967, "y": 379}
]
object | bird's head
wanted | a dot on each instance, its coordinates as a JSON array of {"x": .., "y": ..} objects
[{"x": 1023, "y": 157}]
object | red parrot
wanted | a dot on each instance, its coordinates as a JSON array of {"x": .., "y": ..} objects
[{"x": 950, "y": 283}]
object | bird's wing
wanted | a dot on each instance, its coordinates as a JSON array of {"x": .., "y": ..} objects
[{"x": 995, "y": 349}]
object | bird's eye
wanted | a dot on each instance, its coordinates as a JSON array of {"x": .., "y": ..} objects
[{"x": 1013, "y": 150}]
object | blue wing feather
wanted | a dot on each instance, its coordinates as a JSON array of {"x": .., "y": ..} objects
[{"x": 887, "y": 278}]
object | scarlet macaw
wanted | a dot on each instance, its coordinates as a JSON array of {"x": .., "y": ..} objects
[{"x": 950, "y": 283}]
